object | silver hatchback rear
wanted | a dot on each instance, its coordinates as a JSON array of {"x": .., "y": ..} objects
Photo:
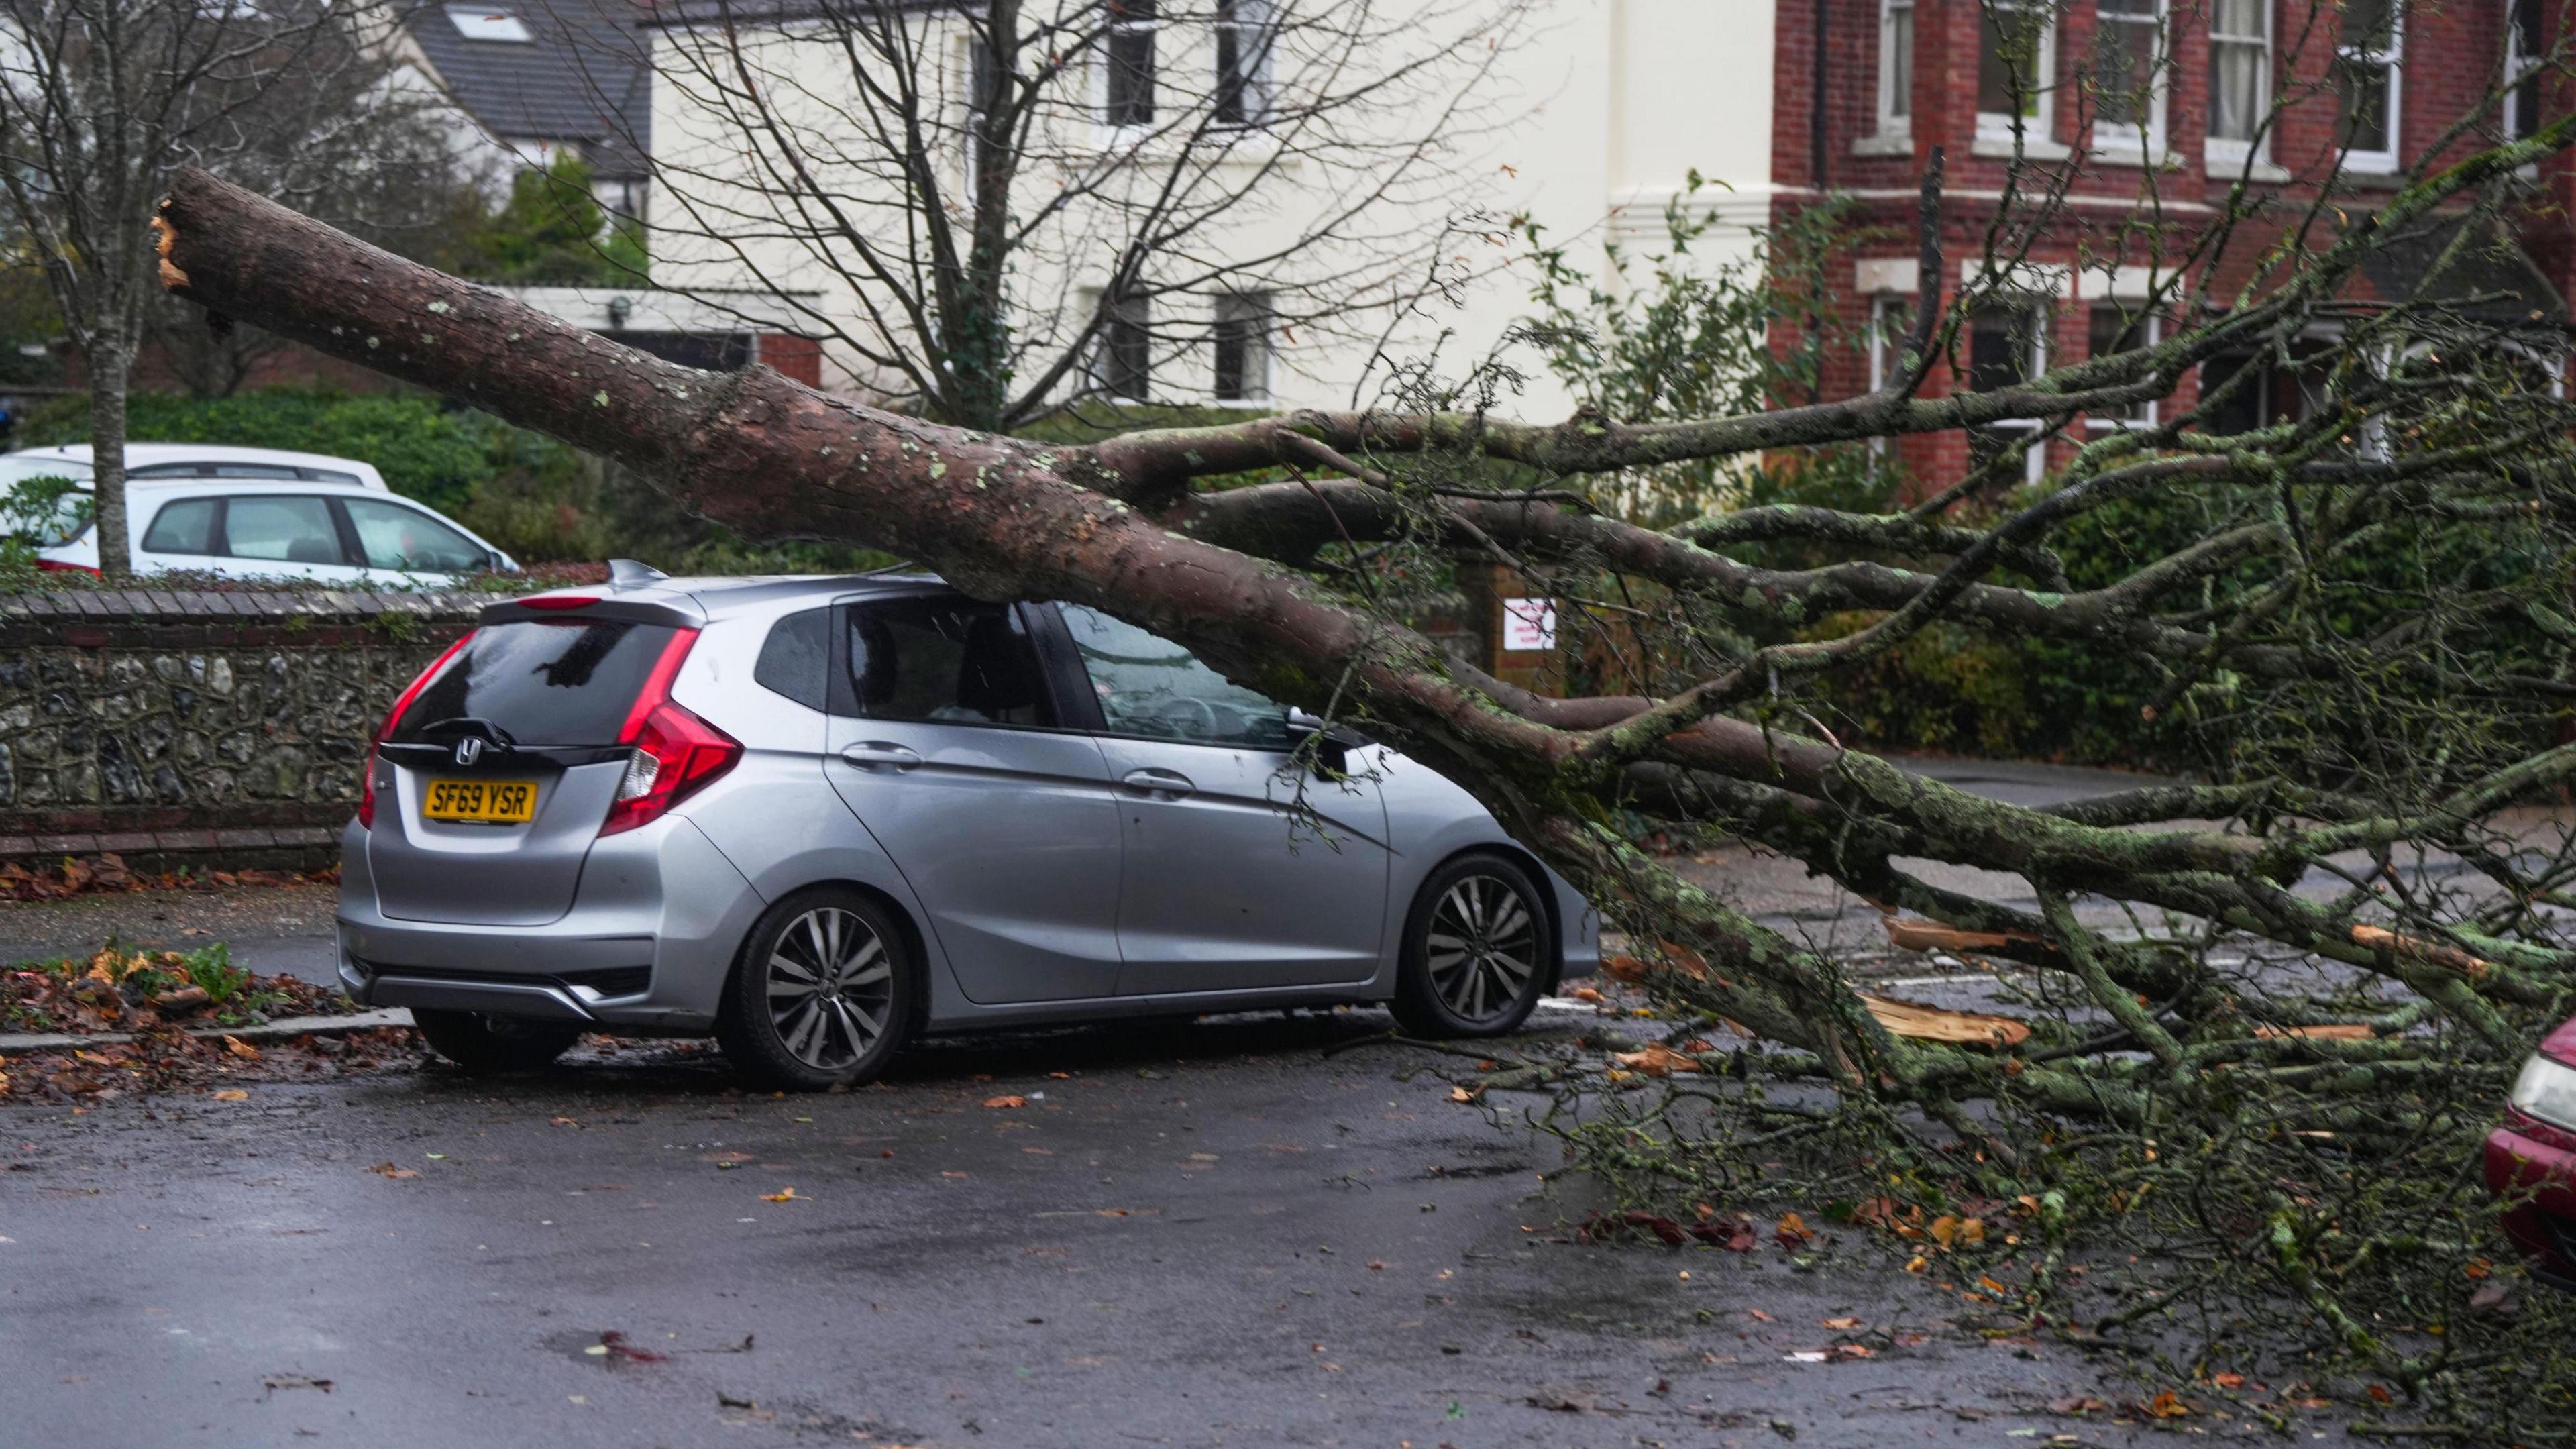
[{"x": 815, "y": 817}]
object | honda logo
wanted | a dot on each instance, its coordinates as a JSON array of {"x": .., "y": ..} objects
[{"x": 468, "y": 750}]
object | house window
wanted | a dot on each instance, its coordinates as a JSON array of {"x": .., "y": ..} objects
[
  {"x": 1891, "y": 322},
  {"x": 2007, "y": 347},
  {"x": 2240, "y": 77},
  {"x": 2522, "y": 51},
  {"x": 2236, "y": 394},
  {"x": 1128, "y": 64},
  {"x": 1242, "y": 338},
  {"x": 2368, "y": 58},
  {"x": 1125, "y": 367},
  {"x": 1243, "y": 44},
  {"x": 2112, "y": 331},
  {"x": 2016, "y": 54},
  {"x": 1895, "y": 67},
  {"x": 2128, "y": 75}
]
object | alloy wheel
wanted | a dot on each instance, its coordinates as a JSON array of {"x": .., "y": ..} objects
[
  {"x": 831, "y": 988},
  {"x": 1483, "y": 947}
]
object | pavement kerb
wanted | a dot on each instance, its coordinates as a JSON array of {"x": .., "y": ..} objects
[{"x": 21, "y": 1043}]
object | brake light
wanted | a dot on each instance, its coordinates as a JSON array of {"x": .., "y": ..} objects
[
  {"x": 402, "y": 702},
  {"x": 57, "y": 566},
  {"x": 675, "y": 751},
  {"x": 559, "y": 601}
]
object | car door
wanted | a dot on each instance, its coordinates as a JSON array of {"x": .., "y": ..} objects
[
  {"x": 944, "y": 742},
  {"x": 284, "y": 535},
  {"x": 1244, "y": 869}
]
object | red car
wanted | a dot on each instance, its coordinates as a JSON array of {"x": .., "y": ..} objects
[{"x": 2531, "y": 1159}]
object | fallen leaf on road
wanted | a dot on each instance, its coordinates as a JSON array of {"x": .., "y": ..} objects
[
  {"x": 784, "y": 1194},
  {"x": 2078, "y": 1405},
  {"x": 1465, "y": 1094},
  {"x": 232, "y": 1094},
  {"x": 387, "y": 1169},
  {"x": 1656, "y": 1060},
  {"x": 1842, "y": 1323},
  {"x": 1586, "y": 993},
  {"x": 1759, "y": 1316},
  {"x": 274, "y": 1382},
  {"x": 1012, "y": 1099},
  {"x": 241, "y": 1049},
  {"x": 1793, "y": 1231},
  {"x": 2168, "y": 1405},
  {"x": 561, "y": 1122}
]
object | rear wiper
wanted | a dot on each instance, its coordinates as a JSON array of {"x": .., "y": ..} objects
[{"x": 491, "y": 730}]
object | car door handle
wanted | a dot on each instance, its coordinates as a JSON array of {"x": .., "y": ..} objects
[
  {"x": 1171, "y": 783},
  {"x": 870, "y": 754}
]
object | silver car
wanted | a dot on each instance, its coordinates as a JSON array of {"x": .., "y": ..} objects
[{"x": 819, "y": 817}]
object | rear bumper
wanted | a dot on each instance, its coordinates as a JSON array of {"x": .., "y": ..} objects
[
  {"x": 2532, "y": 1167},
  {"x": 651, "y": 935}
]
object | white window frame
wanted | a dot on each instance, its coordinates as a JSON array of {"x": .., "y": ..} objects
[
  {"x": 1142, "y": 308},
  {"x": 2151, "y": 333},
  {"x": 2392, "y": 58},
  {"x": 1884, "y": 350},
  {"x": 1253, "y": 26},
  {"x": 1892, "y": 123},
  {"x": 1128, "y": 132},
  {"x": 2121, "y": 138},
  {"x": 2043, "y": 310},
  {"x": 2235, "y": 151},
  {"x": 2517, "y": 61},
  {"x": 2038, "y": 128},
  {"x": 1254, "y": 309}
]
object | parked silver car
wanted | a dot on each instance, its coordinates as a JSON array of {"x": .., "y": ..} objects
[{"x": 818, "y": 817}]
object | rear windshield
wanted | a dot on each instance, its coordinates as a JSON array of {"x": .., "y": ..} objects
[{"x": 542, "y": 681}]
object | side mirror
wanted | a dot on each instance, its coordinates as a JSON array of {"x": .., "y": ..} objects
[{"x": 1329, "y": 747}]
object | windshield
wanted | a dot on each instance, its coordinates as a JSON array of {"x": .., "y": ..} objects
[{"x": 44, "y": 500}]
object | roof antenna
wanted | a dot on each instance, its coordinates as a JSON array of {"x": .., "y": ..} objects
[{"x": 626, "y": 573}]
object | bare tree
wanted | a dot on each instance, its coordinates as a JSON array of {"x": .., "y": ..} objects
[
  {"x": 2282, "y": 986},
  {"x": 102, "y": 101},
  {"x": 995, "y": 209}
]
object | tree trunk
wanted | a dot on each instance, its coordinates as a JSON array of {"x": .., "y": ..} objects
[{"x": 110, "y": 358}]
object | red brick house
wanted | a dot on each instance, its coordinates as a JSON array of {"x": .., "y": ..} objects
[{"x": 2169, "y": 99}]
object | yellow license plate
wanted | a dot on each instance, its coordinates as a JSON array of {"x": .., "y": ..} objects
[{"x": 481, "y": 802}]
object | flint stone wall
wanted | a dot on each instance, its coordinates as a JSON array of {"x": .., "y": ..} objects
[{"x": 200, "y": 727}]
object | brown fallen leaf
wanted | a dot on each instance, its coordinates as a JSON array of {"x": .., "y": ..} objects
[
  {"x": 2168, "y": 1405},
  {"x": 784, "y": 1194},
  {"x": 241, "y": 1049},
  {"x": 232, "y": 1094},
  {"x": 1793, "y": 1231},
  {"x": 1841, "y": 1323},
  {"x": 1011, "y": 1099},
  {"x": 1759, "y": 1316},
  {"x": 1586, "y": 993},
  {"x": 1465, "y": 1094},
  {"x": 387, "y": 1169},
  {"x": 1656, "y": 1060}
]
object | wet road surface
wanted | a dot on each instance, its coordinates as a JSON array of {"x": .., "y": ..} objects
[{"x": 1199, "y": 1235}]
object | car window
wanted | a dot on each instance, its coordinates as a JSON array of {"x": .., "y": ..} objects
[
  {"x": 391, "y": 536},
  {"x": 187, "y": 526},
  {"x": 795, "y": 660},
  {"x": 945, "y": 660},
  {"x": 1152, "y": 687},
  {"x": 542, "y": 681},
  {"x": 282, "y": 530}
]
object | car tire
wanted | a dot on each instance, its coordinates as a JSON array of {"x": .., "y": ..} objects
[
  {"x": 492, "y": 1046},
  {"x": 823, "y": 996},
  {"x": 1479, "y": 950}
]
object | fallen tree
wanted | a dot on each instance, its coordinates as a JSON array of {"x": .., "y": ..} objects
[{"x": 2207, "y": 1025}]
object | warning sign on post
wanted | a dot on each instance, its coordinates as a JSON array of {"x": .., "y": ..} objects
[{"x": 1529, "y": 626}]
